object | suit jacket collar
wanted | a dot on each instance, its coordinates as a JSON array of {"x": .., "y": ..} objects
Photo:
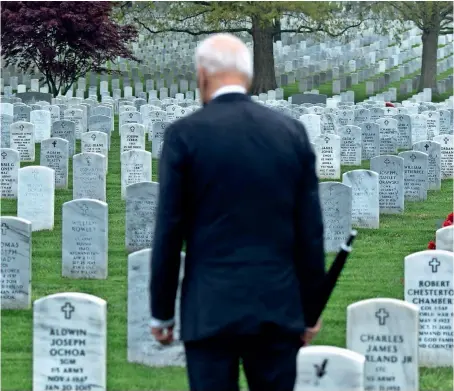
[{"x": 231, "y": 97}]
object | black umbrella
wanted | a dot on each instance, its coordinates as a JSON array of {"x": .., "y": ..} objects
[{"x": 328, "y": 284}]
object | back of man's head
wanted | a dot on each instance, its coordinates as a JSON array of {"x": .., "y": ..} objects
[{"x": 224, "y": 56}]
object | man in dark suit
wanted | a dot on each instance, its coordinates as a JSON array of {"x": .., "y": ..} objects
[{"x": 238, "y": 185}]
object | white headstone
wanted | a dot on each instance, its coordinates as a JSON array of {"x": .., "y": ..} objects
[
  {"x": 69, "y": 342},
  {"x": 16, "y": 253},
  {"x": 42, "y": 121},
  {"x": 429, "y": 285},
  {"x": 135, "y": 168},
  {"x": 444, "y": 238},
  {"x": 385, "y": 331},
  {"x": 10, "y": 164},
  {"x": 35, "y": 198},
  {"x": 329, "y": 368}
]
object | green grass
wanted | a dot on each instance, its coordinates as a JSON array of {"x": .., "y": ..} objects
[
  {"x": 360, "y": 89},
  {"x": 375, "y": 269}
]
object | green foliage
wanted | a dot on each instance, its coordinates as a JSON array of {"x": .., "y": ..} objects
[{"x": 203, "y": 17}]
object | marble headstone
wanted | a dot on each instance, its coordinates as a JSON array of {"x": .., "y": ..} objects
[
  {"x": 370, "y": 138},
  {"x": 365, "y": 197},
  {"x": 54, "y": 154},
  {"x": 89, "y": 176},
  {"x": 336, "y": 203},
  {"x": 328, "y": 153},
  {"x": 10, "y": 164},
  {"x": 135, "y": 168},
  {"x": 84, "y": 239},
  {"x": 158, "y": 130},
  {"x": 132, "y": 136},
  {"x": 22, "y": 139},
  {"x": 351, "y": 145},
  {"x": 387, "y": 128},
  {"x": 403, "y": 130},
  {"x": 66, "y": 130},
  {"x": 69, "y": 342},
  {"x": 385, "y": 331},
  {"x": 312, "y": 125},
  {"x": 141, "y": 209},
  {"x": 415, "y": 175},
  {"x": 142, "y": 348},
  {"x": 429, "y": 286},
  {"x": 444, "y": 238},
  {"x": 329, "y": 368},
  {"x": 97, "y": 142},
  {"x": 5, "y": 125},
  {"x": 16, "y": 252},
  {"x": 446, "y": 142},
  {"x": 433, "y": 150},
  {"x": 42, "y": 121},
  {"x": 35, "y": 196},
  {"x": 390, "y": 169}
]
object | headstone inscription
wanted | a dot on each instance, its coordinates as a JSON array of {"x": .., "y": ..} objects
[
  {"x": 54, "y": 154},
  {"x": 101, "y": 123},
  {"x": 370, "y": 138},
  {"x": 446, "y": 142},
  {"x": 390, "y": 171},
  {"x": 157, "y": 137},
  {"x": 403, "y": 130},
  {"x": 5, "y": 123},
  {"x": 16, "y": 253},
  {"x": 69, "y": 342},
  {"x": 97, "y": 142},
  {"x": 84, "y": 239},
  {"x": 132, "y": 137},
  {"x": 385, "y": 332},
  {"x": 66, "y": 130},
  {"x": 350, "y": 145},
  {"x": 328, "y": 153},
  {"x": 415, "y": 175},
  {"x": 141, "y": 348},
  {"x": 336, "y": 202},
  {"x": 433, "y": 151},
  {"x": 10, "y": 164},
  {"x": 429, "y": 286},
  {"x": 141, "y": 209},
  {"x": 89, "y": 176},
  {"x": 418, "y": 128},
  {"x": 387, "y": 128},
  {"x": 77, "y": 117},
  {"x": 22, "y": 139},
  {"x": 329, "y": 368},
  {"x": 365, "y": 197},
  {"x": 35, "y": 196}
]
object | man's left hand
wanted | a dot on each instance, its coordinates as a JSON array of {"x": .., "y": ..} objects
[{"x": 163, "y": 335}]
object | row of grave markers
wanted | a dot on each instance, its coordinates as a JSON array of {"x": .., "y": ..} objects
[{"x": 387, "y": 339}]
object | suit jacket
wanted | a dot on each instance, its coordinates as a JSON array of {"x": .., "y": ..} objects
[{"x": 238, "y": 185}]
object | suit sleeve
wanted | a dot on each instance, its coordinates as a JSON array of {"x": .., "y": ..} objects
[
  {"x": 168, "y": 235},
  {"x": 309, "y": 251}
]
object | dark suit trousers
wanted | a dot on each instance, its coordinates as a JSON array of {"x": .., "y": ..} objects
[{"x": 269, "y": 362}]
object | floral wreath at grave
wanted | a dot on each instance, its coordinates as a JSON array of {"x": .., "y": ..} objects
[{"x": 446, "y": 223}]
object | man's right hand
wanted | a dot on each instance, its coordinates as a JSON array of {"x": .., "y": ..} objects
[{"x": 311, "y": 332}]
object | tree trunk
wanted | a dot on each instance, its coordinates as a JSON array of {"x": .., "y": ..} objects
[
  {"x": 264, "y": 74},
  {"x": 428, "y": 77},
  {"x": 277, "y": 30}
]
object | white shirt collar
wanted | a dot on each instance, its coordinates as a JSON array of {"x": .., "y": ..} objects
[{"x": 232, "y": 89}]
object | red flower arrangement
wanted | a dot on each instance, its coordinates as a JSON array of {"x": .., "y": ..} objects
[{"x": 446, "y": 223}]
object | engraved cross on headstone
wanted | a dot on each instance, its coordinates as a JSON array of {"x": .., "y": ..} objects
[
  {"x": 446, "y": 140},
  {"x": 387, "y": 161},
  {"x": 84, "y": 209},
  {"x": 386, "y": 122},
  {"x": 21, "y": 127},
  {"x": 327, "y": 140},
  {"x": 426, "y": 146},
  {"x": 382, "y": 315},
  {"x": 93, "y": 137},
  {"x": 413, "y": 157},
  {"x": 132, "y": 128},
  {"x": 4, "y": 228},
  {"x": 54, "y": 143},
  {"x": 434, "y": 263},
  {"x": 68, "y": 309},
  {"x": 4, "y": 154},
  {"x": 389, "y": 110}
]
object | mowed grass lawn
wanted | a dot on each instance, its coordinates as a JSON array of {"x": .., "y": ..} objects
[{"x": 375, "y": 269}]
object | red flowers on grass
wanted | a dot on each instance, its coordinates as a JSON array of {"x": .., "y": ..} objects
[{"x": 446, "y": 223}]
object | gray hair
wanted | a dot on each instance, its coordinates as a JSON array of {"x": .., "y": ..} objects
[{"x": 223, "y": 53}]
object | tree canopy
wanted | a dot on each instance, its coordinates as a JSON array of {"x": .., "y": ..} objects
[
  {"x": 263, "y": 20},
  {"x": 63, "y": 39}
]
